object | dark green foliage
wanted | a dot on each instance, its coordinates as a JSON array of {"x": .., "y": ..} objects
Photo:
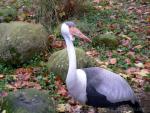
[
  {"x": 50, "y": 12},
  {"x": 7, "y": 14}
]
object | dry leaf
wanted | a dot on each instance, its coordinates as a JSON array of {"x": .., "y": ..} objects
[
  {"x": 143, "y": 72},
  {"x": 99, "y": 61},
  {"x": 10, "y": 87},
  {"x": 1, "y": 76},
  {"x": 124, "y": 75},
  {"x": 62, "y": 90},
  {"x": 132, "y": 70},
  {"x": 125, "y": 42},
  {"x": 37, "y": 86},
  {"x": 58, "y": 44},
  {"x": 138, "y": 47},
  {"x": 148, "y": 19},
  {"x": 61, "y": 108},
  {"x": 147, "y": 65},
  {"x": 97, "y": 1},
  {"x": 140, "y": 65},
  {"x": 127, "y": 60},
  {"x": 112, "y": 61},
  {"x": 127, "y": 37},
  {"x": 18, "y": 84},
  {"x": 92, "y": 53},
  {"x": 72, "y": 102},
  {"x": 24, "y": 73},
  {"x": 3, "y": 94}
]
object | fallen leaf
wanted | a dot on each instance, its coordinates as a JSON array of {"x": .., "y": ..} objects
[
  {"x": 92, "y": 53},
  {"x": 148, "y": 19},
  {"x": 127, "y": 60},
  {"x": 132, "y": 70},
  {"x": 112, "y": 61},
  {"x": 131, "y": 8},
  {"x": 130, "y": 53},
  {"x": 1, "y": 76},
  {"x": 139, "y": 11},
  {"x": 125, "y": 42},
  {"x": 97, "y": 1},
  {"x": 140, "y": 65},
  {"x": 143, "y": 72},
  {"x": 58, "y": 44},
  {"x": 72, "y": 102},
  {"x": 98, "y": 7},
  {"x": 3, "y": 94},
  {"x": 23, "y": 73},
  {"x": 127, "y": 37},
  {"x": 138, "y": 47},
  {"x": 109, "y": 53},
  {"x": 77, "y": 109},
  {"x": 99, "y": 61},
  {"x": 10, "y": 87},
  {"x": 61, "y": 108},
  {"x": 147, "y": 65},
  {"x": 18, "y": 84},
  {"x": 62, "y": 90},
  {"x": 37, "y": 86},
  {"x": 124, "y": 75},
  {"x": 112, "y": 26}
]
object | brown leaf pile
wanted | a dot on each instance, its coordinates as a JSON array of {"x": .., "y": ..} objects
[
  {"x": 22, "y": 80},
  {"x": 61, "y": 89}
]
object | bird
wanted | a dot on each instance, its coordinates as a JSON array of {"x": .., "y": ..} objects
[{"x": 95, "y": 86}]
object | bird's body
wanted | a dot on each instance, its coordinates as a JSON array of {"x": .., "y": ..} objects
[{"x": 96, "y": 86}]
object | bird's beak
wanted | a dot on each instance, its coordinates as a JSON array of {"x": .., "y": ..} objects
[{"x": 76, "y": 32}]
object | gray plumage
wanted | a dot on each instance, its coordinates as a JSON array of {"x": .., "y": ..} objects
[{"x": 110, "y": 84}]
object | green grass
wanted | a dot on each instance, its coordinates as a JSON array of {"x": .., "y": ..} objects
[{"x": 6, "y": 69}]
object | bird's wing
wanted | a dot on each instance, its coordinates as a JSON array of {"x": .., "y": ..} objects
[{"x": 112, "y": 85}]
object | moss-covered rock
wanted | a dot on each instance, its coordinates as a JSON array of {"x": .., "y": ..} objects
[
  {"x": 107, "y": 40},
  {"x": 20, "y": 41},
  {"x": 58, "y": 62},
  {"x": 28, "y": 101}
]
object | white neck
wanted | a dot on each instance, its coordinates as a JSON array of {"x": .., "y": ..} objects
[{"x": 71, "y": 75}]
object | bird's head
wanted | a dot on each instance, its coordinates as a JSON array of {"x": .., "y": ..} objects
[{"x": 69, "y": 28}]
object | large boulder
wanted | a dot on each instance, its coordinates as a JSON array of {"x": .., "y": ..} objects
[
  {"x": 108, "y": 40},
  {"x": 20, "y": 41},
  {"x": 58, "y": 62},
  {"x": 28, "y": 101}
]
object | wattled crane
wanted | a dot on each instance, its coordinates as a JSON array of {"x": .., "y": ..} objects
[{"x": 95, "y": 86}]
